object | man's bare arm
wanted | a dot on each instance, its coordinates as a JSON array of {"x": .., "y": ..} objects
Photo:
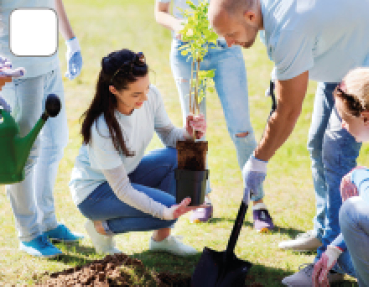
[{"x": 290, "y": 95}]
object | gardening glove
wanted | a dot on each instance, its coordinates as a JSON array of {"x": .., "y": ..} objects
[
  {"x": 6, "y": 75},
  {"x": 175, "y": 211},
  {"x": 74, "y": 58},
  {"x": 196, "y": 123},
  {"x": 324, "y": 265},
  {"x": 7, "y": 71},
  {"x": 347, "y": 187},
  {"x": 254, "y": 172}
]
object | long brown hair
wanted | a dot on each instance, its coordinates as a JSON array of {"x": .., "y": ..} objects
[{"x": 119, "y": 68}]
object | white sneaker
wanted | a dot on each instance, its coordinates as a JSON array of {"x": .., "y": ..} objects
[
  {"x": 172, "y": 245},
  {"x": 302, "y": 243},
  {"x": 103, "y": 244}
]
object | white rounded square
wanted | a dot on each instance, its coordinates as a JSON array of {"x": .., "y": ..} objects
[{"x": 33, "y": 32}]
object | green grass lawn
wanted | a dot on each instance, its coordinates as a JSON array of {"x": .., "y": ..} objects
[{"x": 104, "y": 26}]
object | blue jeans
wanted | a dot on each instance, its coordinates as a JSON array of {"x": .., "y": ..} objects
[
  {"x": 154, "y": 176},
  {"x": 354, "y": 222},
  {"x": 231, "y": 86},
  {"x": 32, "y": 200},
  {"x": 333, "y": 153}
]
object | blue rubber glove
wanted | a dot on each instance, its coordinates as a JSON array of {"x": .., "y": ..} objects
[
  {"x": 74, "y": 58},
  {"x": 254, "y": 173}
]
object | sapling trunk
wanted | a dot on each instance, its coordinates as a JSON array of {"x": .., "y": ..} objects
[
  {"x": 197, "y": 86},
  {"x": 191, "y": 88}
]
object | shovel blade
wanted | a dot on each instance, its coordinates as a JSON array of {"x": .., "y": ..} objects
[{"x": 212, "y": 270}]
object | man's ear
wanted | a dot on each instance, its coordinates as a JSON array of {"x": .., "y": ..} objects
[
  {"x": 365, "y": 116},
  {"x": 249, "y": 16},
  {"x": 112, "y": 90}
]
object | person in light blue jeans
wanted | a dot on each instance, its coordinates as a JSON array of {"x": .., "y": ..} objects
[
  {"x": 231, "y": 86},
  {"x": 32, "y": 200}
]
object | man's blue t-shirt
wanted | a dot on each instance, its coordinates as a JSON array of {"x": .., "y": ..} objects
[{"x": 325, "y": 37}]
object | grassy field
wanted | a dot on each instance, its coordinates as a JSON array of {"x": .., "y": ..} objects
[{"x": 103, "y": 26}]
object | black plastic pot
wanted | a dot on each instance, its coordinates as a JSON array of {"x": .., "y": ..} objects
[{"x": 191, "y": 184}]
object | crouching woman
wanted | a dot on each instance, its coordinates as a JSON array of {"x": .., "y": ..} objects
[{"x": 114, "y": 183}]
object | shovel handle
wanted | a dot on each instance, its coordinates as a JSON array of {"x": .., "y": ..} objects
[
  {"x": 272, "y": 95},
  {"x": 236, "y": 229}
]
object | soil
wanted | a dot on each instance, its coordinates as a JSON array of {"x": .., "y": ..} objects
[
  {"x": 114, "y": 270},
  {"x": 120, "y": 270},
  {"x": 192, "y": 155}
]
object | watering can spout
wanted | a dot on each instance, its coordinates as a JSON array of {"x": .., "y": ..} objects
[{"x": 16, "y": 149}]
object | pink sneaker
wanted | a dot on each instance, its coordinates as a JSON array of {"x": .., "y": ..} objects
[{"x": 202, "y": 214}]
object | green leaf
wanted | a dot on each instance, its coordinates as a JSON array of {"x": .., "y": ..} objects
[
  {"x": 190, "y": 3},
  {"x": 211, "y": 89}
]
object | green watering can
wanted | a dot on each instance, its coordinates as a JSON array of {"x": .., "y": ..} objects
[{"x": 14, "y": 150}]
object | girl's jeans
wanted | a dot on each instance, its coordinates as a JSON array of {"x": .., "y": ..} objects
[
  {"x": 32, "y": 200},
  {"x": 154, "y": 176},
  {"x": 231, "y": 86},
  {"x": 354, "y": 222},
  {"x": 333, "y": 153}
]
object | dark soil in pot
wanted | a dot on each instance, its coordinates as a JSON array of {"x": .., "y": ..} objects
[{"x": 192, "y": 155}]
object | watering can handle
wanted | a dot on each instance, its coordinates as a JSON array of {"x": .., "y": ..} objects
[{"x": 52, "y": 106}]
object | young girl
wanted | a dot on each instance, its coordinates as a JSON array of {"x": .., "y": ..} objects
[
  {"x": 352, "y": 103},
  {"x": 116, "y": 186}
]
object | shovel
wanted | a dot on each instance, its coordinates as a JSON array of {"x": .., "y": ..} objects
[{"x": 223, "y": 269}]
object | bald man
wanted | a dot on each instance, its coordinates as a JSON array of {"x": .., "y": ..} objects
[{"x": 318, "y": 40}]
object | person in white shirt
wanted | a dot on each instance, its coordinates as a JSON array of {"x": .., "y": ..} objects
[{"x": 114, "y": 184}]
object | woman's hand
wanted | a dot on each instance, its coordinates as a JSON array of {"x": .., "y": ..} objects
[
  {"x": 177, "y": 210},
  {"x": 196, "y": 123}
]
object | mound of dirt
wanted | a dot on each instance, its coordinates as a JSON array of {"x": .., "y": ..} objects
[{"x": 114, "y": 270}]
